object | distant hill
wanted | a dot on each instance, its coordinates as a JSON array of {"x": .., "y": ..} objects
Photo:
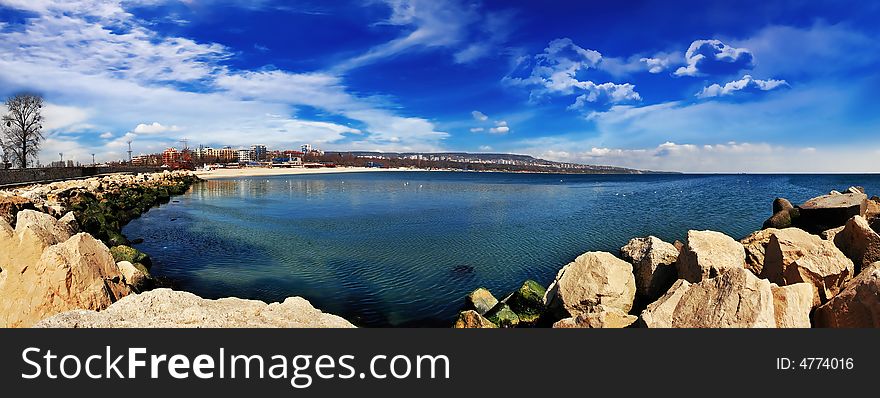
[{"x": 474, "y": 161}]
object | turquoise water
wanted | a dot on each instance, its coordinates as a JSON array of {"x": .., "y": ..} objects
[{"x": 403, "y": 248}]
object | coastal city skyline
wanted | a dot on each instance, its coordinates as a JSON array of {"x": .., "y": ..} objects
[{"x": 723, "y": 88}]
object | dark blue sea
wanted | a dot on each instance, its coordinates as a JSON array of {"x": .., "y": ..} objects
[{"x": 404, "y": 248}]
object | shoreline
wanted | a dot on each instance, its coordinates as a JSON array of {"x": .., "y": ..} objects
[{"x": 266, "y": 172}]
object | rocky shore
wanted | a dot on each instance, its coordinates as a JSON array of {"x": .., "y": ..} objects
[
  {"x": 812, "y": 265},
  {"x": 64, "y": 262}
]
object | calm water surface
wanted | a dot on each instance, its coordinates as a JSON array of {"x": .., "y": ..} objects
[{"x": 403, "y": 248}]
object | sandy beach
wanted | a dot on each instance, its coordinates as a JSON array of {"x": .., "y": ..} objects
[{"x": 261, "y": 171}]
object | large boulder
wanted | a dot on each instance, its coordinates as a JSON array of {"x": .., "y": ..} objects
[
  {"x": 528, "y": 301},
  {"x": 707, "y": 253},
  {"x": 165, "y": 308},
  {"x": 859, "y": 242},
  {"x": 471, "y": 319},
  {"x": 480, "y": 300},
  {"x": 653, "y": 262},
  {"x": 829, "y": 211},
  {"x": 755, "y": 246},
  {"x": 735, "y": 298},
  {"x": 77, "y": 274},
  {"x": 857, "y": 306},
  {"x": 599, "y": 317},
  {"x": 593, "y": 278},
  {"x": 795, "y": 256},
  {"x": 792, "y": 305}
]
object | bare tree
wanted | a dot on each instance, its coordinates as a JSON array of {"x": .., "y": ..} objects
[{"x": 23, "y": 128}]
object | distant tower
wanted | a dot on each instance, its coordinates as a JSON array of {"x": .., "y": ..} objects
[
  {"x": 185, "y": 143},
  {"x": 93, "y": 159},
  {"x": 129, "y": 151}
]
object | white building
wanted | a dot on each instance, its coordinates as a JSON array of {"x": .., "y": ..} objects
[{"x": 245, "y": 156}]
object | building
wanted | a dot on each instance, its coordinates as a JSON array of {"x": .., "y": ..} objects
[
  {"x": 260, "y": 153},
  {"x": 170, "y": 157},
  {"x": 245, "y": 156},
  {"x": 226, "y": 155},
  {"x": 306, "y": 148}
]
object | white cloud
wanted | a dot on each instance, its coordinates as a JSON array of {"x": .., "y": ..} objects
[
  {"x": 661, "y": 61},
  {"x": 106, "y": 135},
  {"x": 154, "y": 128},
  {"x": 479, "y": 116},
  {"x": 710, "y": 57},
  {"x": 606, "y": 92},
  {"x": 746, "y": 84},
  {"x": 436, "y": 24},
  {"x": 57, "y": 116},
  {"x": 485, "y": 148},
  {"x": 555, "y": 72},
  {"x": 477, "y": 129},
  {"x": 501, "y": 127}
]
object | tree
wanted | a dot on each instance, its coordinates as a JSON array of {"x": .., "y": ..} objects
[{"x": 22, "y": 128}]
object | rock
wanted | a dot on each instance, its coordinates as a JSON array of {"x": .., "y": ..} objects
[
  {"x": 795, "y": 256},
  {"x": 599, "y": 317},
  {"x": 792, "y": 305},
  {"x": 471, "y": 319},
  {"x": 755, "y": 246},
  {"x": 11, "y": 205},
  {"x": 77, "y": 274},
  {"x": 783, "y": 219},
  {"x": 130, "y": 254},
  {"x": 528, "y": 301},
  {"x": 165, "y": 308},
  {"x": 660, "y": 313},
  {"x": 735, "y": 298},
  {"x": 780, "y": 204},
  {"x": 481, "y": 300},
  {"x": 872, "y": 209},
  {"x": 830, "y": 234},
  {"x": 855, "y": 190},
  {"x": 591, "y": 279},
  {"x": 857, "y": 306},
  {"x": 707, "y": 253},
  {"x": 829, "y": 211},
  {"x": 653, "y": 262},
  {"x": 41, "y": 228},
  {"x": 135, "y": 275},
  {"x": 69, "y": 222},
  {"x": 503, "y": 316},
  {"x": 678, "y": 245},
  {"x": 859, "y": 243}
]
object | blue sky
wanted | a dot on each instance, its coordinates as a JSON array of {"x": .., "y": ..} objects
[{"x": 690, "y": 86}]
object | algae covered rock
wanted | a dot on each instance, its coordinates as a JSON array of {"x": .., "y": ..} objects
[
  {"x": 130, "y": 254},
  {"x": 481, "y": 300},
  {"x": 471, "y": 319},
  {"x": 528, "y": 301},
  {"x": 503, "y": 316}
]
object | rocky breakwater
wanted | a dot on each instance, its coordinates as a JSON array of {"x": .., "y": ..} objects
[
  {"x": 65, "y": 263},
  {"x": 813, "y": 265}
]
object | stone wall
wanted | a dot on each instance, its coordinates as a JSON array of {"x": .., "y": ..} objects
[{"x": 46, "y": 174}]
